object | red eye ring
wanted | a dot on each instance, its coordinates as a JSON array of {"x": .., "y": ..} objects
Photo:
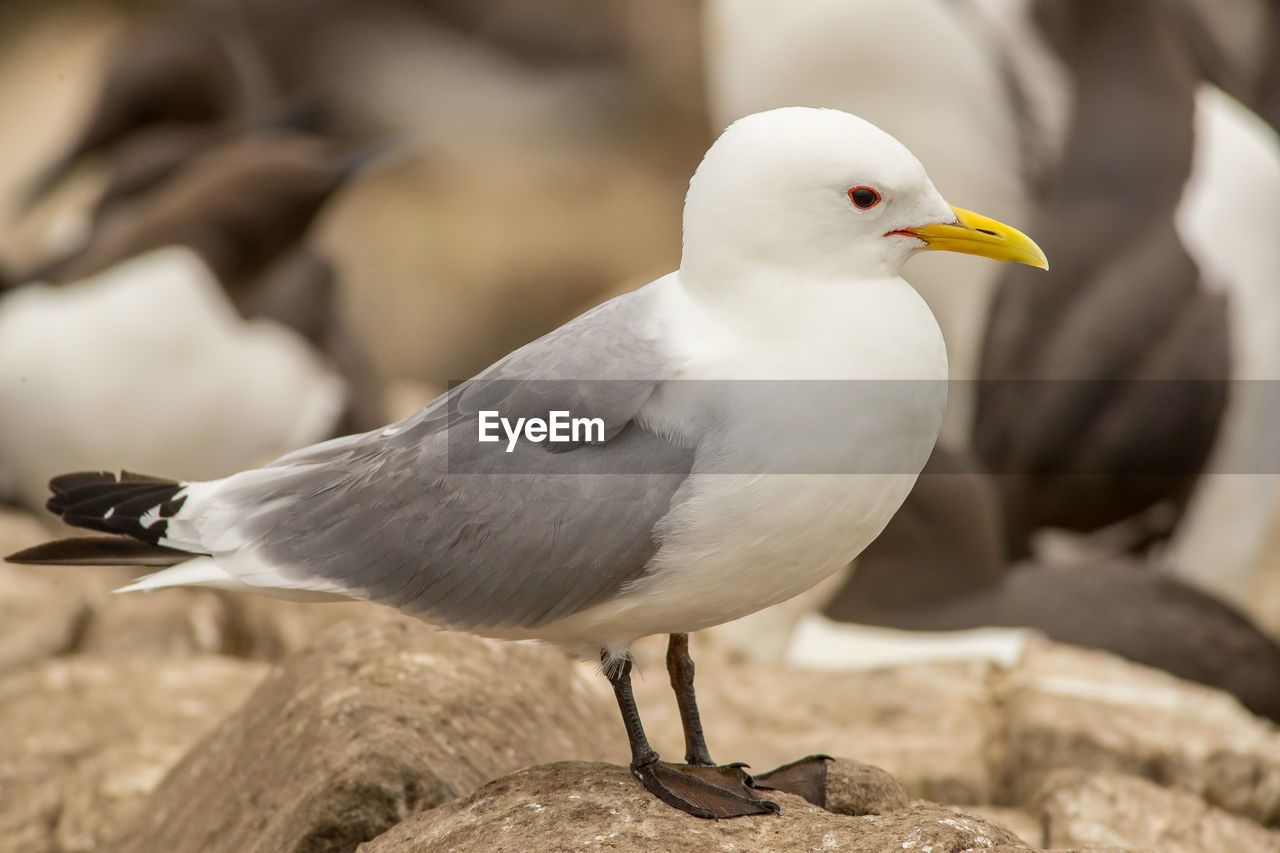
[{"x": 864, "y": 198}]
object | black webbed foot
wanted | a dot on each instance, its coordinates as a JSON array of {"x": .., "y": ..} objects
[{"x": 704, "y": 791}]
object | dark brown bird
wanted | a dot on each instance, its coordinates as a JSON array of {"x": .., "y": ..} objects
[
  {"x": 175, "y": 87},
  {"x": 170, "y": 90},
  {"x": 1266, "y": 98},
  {"x": 1252, "y": 75},
  {"x": 1105, "y": 381}
]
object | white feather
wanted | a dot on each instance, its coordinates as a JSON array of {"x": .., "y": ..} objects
[
  {"x": 200, "y": 571},
  {"x": 209, "y": 572}
]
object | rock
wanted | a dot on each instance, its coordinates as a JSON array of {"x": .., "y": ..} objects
[
  {"x": 19, "y": 529},
  {"x": 929, "y": 726},
  {"x": 579, "y": 806},
  {"x": 973, "y": 734},
  {"x": 41, "y": 617},
  {"x": 1020, "y": 822},
  {"x": 170, "y": 623},
  {"x": 1075, "y": 708},
  {"x": 376, "y": 720},
  {"x": 86, "y": 739},
  {"x": 43, "y": 609},
  {"x": 58, "y": 610},
  {"x": 189, "y": 620},
  {"x": 855, "y": 789},
  {"x": 1113, "y": 810}
]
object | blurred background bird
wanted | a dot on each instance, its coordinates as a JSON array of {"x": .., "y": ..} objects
[{"x": 263, "y": 222}]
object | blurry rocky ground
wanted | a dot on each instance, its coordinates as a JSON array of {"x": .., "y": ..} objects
[
  {"x": 210, "y": 721},
  {"x": 538, "y": 176}
]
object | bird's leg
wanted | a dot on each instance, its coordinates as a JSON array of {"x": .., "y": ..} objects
[
  {"x": 806, "y": 778},
  {"x": 680, "y": 668},
  {"x": 686, "y": 788},
  {"x": 619, "y": 674}
]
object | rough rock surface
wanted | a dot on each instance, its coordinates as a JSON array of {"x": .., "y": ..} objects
[
  {"x": 40, "y": 614},
  {"x": 86, "y": 739},
  {"x": 41, "y": 617},
  {"x": 1020, "y": 822},
  {"x": 61, "y": 610},
  {"x": 577, "y": 806},
  {"x": 857, "y": 789},
  {"x": 1075, "y": 708},
  {"x": 205, "y": 621},
  {"x": 376, "y": 720},
  {"x": 972, "y": 734},
  {"x": 1111, "y": 810}
]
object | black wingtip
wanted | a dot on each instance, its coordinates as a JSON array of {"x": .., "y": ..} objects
[{"x": 111, "y": 503}]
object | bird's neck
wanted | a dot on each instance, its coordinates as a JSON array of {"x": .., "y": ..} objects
[{"x": 815, "y": 328}]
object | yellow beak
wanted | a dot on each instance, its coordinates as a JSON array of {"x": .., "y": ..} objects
[{"x": 974, "y": 234}]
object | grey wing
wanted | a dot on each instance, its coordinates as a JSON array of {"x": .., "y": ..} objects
[{"x": 422, "y": 517}]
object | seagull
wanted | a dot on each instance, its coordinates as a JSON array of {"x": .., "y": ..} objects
[{"x": 749, "y": 444}]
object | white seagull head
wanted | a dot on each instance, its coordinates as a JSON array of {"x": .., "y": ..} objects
[{"x": 823, "y": 194}]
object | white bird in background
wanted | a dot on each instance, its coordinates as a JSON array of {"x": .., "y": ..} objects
[
  {"x": 704, "y": 500},
  {"x": 148, "y": 365},
  {"x": 1228, "y": 219}
]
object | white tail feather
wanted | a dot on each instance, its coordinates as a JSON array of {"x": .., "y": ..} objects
[
  {"x": 202, "y": 571},
  {"x": 205, "y": 571}
]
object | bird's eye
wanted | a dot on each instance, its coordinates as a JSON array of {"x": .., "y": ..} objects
[{"x": 864, "y": 198}]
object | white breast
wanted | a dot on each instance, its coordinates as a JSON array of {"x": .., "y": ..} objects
[{"x": 806, "y": 472}]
